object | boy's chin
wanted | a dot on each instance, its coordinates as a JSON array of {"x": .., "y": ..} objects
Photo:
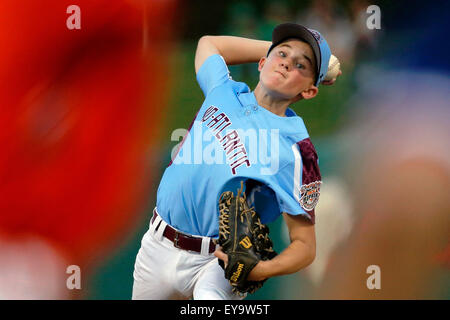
[
  {"x": 273, "y": 90},
  {"x": 277, "y": 94}
]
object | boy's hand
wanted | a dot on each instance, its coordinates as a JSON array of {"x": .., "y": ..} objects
[{"x": 332, "y": 81}]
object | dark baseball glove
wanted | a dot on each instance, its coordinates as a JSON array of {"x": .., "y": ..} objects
[{"x": 244, "y": 239}]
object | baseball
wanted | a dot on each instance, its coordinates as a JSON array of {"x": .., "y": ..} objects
[{"x": 334, "y": 67}]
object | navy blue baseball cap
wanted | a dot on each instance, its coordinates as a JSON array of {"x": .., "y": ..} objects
[{"x": 318, "y": 44}]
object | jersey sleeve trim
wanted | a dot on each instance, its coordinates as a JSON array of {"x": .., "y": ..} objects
[{"x": 309, "y": 191}]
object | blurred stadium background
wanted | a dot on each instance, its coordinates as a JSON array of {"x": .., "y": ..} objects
[{"x": 86, "y": 118}]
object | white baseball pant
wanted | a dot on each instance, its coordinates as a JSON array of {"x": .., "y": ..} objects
[{"x": 163, "y": 272}]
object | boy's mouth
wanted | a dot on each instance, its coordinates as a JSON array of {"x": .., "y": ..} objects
[{"x": 280, "y": 73}]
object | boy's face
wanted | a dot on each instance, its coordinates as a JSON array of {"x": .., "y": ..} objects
[{"x": 288, "y": 71}]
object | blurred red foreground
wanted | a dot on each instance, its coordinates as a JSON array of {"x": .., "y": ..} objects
[{"x": 80, "y": 112}]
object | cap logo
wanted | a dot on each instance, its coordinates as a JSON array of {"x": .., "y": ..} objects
[{"x": 315, "y": 34}]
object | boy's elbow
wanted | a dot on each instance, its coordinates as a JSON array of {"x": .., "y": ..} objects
[
  {"x": 205, "y": 40},
  {"x": 311, "y": 255},
  {"x": 307, "y": 257},
  {"x": 205, "y": 48},
  {"x": 208, "y": 44}
]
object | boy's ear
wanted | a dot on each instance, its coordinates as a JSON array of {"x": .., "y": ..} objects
[
  {"x": 261, "y": 63},
  {"x": 310, "y": 92}
]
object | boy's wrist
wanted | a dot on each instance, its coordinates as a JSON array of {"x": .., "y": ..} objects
[{"x": 259, "y": 272}]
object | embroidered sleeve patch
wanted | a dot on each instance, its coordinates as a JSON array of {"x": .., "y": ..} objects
[{"x": 310, "y": 195}]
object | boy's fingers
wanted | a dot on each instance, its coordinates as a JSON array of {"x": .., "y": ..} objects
[{"x": 221, "y": 255}]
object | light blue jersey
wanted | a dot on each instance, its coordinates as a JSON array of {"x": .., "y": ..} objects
[{"x": 231, "y": 139}]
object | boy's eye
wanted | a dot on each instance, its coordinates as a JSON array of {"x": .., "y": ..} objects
[
  {"x": 282, "y": 54},
  {"x": 300, "y": 66}
]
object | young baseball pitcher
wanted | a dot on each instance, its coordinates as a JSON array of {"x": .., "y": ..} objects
[{"x": 246, "y": 160}]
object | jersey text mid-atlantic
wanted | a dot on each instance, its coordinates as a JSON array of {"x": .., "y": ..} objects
[{"x": 230, "y": 142}]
